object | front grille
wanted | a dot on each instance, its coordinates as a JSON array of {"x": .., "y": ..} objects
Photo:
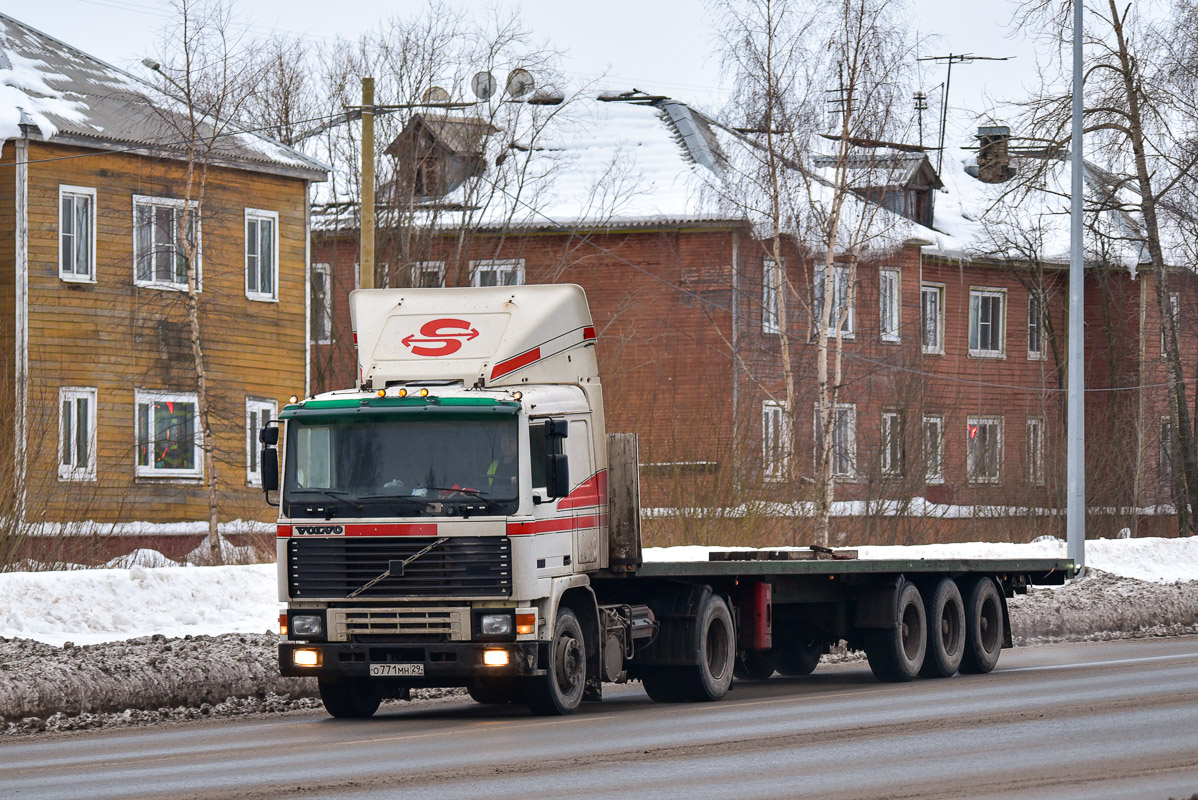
[
  {"x": 450, "y": 623},
  {"x": 462, "y": 566}
]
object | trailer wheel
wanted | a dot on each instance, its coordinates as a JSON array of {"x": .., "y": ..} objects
[
  {"x": 756, "y": 665},
  {"x": 946, "y": 630},
  {"x": 983, "y": 627},
  {"x": 799, "y": 657},
  {"x": 560, "y": 690},
  {"x": 493, "y": 692},
  {"x": 662, "y": 684},
  {"x": 896, "y": 654},
  {"x": 712, "y": 676},
  {"x": 350, "y": 699}
]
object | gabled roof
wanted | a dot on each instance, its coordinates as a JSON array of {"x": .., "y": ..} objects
[
  {"x": 462, "y": 136},
  {"x": 55, "y": 91}
]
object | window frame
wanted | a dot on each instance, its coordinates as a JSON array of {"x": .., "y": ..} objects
[
  {"x": 770, "y": 315},
  {"x": 1037, "y": 297},
  {"x": 775, "y": 462},
  {"x": 259, "y": 215},
  {"x": 325, "y": 310},
  {"x": 477, "y": 268},
  {"x": 849, "y": 446},
  {"x": 971, "y": 472},
  {"x": 419, "y": 268},
  {"x": 990, "y": 293},
  {"x": 253, "y": 477},
  {"x": 930, "y": 477},
  {"x": 849, "y": 331},
  {"x": 1034, "y": 450},
  {"x": 893, "y": 449},
  {"x": 174, "y": 203},
  {"x": 896, "y": 304},
  {"x": 64, "y": 191},
  {"x": 152, "y": 396},
  {"x": 72, "y": 394},
  {"x": 937, "y": 349}
]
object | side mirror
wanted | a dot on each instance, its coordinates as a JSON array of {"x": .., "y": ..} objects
[
  {"x": 269, "y": 462},
  {"x": 556, "y": 429},
  {"x": 557, "y": 475},
  {"x": 269, "y": 435}
]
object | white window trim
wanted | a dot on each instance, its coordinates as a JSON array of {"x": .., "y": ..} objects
[
  {"x": 849, "y": 330},
  {"x": 150, "y": 200},
  {"x": 781, "y": 469},
  {"x": 937, "y": 477},
  {"x": 938, "y": 348},
  {"x": 896, "y": 336},
  {"x": 420, "y": 267},
  {"x": 64, "y": 189},
  {"x": 889, "y": 469},
  {"x": 987, "y": 291},
  {"x": 152, "y": 395},
  {"x": 273, "y": 216},
  {"x": 327, "y": 271},
  {"x": 770, "y": 292},
  {"x": 1042, "y": 353},
  {"x": 1035, "y": 467},
  {"x": 88, "y": 471},
  {"x": 477, "y": 268},
  {"x": 979, "y": 421},
  {"x": 851, "y": 475},
  {"x": 252, "y": 454}
]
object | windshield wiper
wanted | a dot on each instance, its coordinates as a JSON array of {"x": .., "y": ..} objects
[
  {"x": 396, "y": 567},
  {"x": 332, "y": 494},
  {"x": 473, "y": 494}
]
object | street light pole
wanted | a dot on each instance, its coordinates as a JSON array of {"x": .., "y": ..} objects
[
  {"x": 366, "y": 214},
  {"x": 1075, "y": 519}
]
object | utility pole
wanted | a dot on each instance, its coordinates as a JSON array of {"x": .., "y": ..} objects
[
  {"x": 1075, "y": 502},
  {"x": 950, "y": 59},
  {"x": 366, "y": 214}
]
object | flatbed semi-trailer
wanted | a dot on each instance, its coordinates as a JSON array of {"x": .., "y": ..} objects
[{"x": 462, "y": 518}]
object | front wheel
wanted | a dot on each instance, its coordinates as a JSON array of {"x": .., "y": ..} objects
[
  {"x": 350, "y": 699},
  {"x": 560, "y": 690}
]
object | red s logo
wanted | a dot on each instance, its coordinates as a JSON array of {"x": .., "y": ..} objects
[{"x": 444, "y": 335}]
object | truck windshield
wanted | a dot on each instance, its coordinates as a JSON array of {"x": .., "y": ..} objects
[{"x": 392, "y": 466}]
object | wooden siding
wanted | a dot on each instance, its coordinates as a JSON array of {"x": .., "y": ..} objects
[{"x": 119, "y": 337}]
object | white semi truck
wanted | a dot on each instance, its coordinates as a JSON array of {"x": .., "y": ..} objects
[{"x": 462, "y": 518}]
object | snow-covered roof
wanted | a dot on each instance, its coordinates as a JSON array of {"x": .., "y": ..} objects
[{"x": 66, "y": 95}]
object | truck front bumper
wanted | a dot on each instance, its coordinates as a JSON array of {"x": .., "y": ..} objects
[{"x": 445, "y": 664}]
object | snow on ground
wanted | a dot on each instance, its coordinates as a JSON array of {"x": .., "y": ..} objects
[{"x": 137, "y": 596}]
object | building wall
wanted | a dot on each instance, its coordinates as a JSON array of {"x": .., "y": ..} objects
[{"x": 118, "y": 337}]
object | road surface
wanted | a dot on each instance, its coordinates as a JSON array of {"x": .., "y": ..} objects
[{"x": 1096, "y": 720}]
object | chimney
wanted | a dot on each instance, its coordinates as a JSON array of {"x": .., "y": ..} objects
[{"x": 994, "y": 160}]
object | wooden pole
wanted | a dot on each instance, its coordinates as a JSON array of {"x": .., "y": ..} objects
[{"x": 366, "y": 255}]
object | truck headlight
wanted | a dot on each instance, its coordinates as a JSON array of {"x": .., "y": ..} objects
[
  {"x": 306, "y": 625},
  {"x": 496, "y": 624}
]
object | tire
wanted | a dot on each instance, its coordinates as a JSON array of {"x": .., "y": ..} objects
[
  {"x": 896, "y": 654},
  {"x": 946, "y": 630},
  {"x": 350, "y": 699},
  {"x": 662, "y": 684},
  {"x": 983, "y": 627},
  {"x": 756, "y": 665},
  {"x": 711, "y": 678},
  {"x": 799, "y": 657},
  {"x": 493, "y": 692},
  {"x": 560, "y": 690}
]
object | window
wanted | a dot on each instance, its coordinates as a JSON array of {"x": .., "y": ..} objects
[
  {"x": 931, "y": 318},
  {"x": 257, "y": 414},
  {"x": 844, "y": 440},
  {"x": 841, "y": 314},
  {"x": 1174, "y": 311},
  {"x": 159, "y": 256},
  {"x": 1035, "y": 451},
  {"x": 168, "y": 438},
  {"x": 933, "y": 449},
  {"x": 77, "y": 434},
  {"x": 986, "y": 322},
  {"x": 497, "y": 273},
  {"x": 889, "y": 298},
  {"x": 893, "y": 455},
  {"x": 426, "y": 274},
  {"x": 984, "y": 449},
  {"x": 775, "y": 441},
  {"x": 76, "y": 233},
  {"x": 261, "y": 254},
  {"x": 1035, "y": 325},
  {"x": 322, "y": 305},
  {"x": 769, "y": 297}
]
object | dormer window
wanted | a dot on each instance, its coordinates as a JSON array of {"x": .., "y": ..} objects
[{"x": 436, "y": 154}]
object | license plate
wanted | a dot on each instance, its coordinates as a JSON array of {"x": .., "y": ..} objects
[{"x": 396, "y": 670}]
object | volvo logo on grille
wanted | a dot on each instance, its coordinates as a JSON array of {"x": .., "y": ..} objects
[{"x": 319, "y": 530}]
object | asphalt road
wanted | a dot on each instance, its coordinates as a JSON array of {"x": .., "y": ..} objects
[{"x": 1096, "y": 720}]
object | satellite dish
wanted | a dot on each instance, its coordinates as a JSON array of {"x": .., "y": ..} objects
[
  {"x": 435, "y": 94},
  {"x": 484, "y": 85},
  {"x": 519, "y": 83}
]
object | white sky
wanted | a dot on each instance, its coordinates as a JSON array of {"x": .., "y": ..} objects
[{"x": 654, "y": 45}]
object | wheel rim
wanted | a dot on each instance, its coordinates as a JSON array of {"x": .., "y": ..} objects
[
  {"x": 717, "y": 649},
  {"x": 568, "y": 664},
  {"x": 990, "y": 623},
  {"x": 912, "y": 631},
  {"x": 952, "y": 629}
]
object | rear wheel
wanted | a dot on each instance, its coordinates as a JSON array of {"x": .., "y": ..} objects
[
  {"x": 946, "y": 630},
  {"x": 560, "y": 690},
  {"x": 712, "y": 676},
  {"x": 799, "y": 657},
  {"x": 983, "y": 627},
  {"x": 756, "y": 665},
  {"x": 896, "y": 654},
  {"x": 350, "y": 699}
]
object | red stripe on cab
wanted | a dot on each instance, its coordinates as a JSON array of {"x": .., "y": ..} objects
[
  {"x": 514, "y": 363},
  {"x": 283, "y": 531}
]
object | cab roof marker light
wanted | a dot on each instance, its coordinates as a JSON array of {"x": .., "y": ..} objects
[
  {"x": 517, "y": 395},
  {"x": 381, "y": 392},
  {"x": 293, "y": 399},
  {"x": 403, "y": 392},
  {"x": 424, "y": 392}
]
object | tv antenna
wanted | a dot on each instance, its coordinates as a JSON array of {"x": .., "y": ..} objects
[
  {"x": 950, "y": 59},
  {"x": 921, "y": 105}
]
